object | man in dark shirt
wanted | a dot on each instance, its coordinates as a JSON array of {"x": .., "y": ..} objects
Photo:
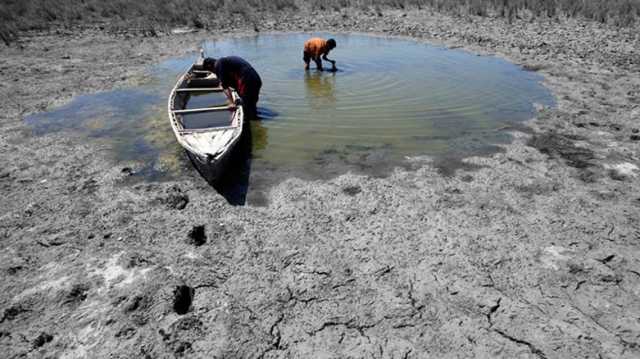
[{"x": 234, "y": 72}]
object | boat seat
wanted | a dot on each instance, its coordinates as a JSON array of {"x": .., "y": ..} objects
[
  {"x": 201, "y": 89},
  {"x": 204, "y": 109},
  {"x": 204, "y": 82}
]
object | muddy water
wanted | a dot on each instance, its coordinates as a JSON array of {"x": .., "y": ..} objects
[{"x": 391, "y": 99}]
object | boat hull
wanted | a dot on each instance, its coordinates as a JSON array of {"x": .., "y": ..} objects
[
  {"x": 211, "y": 171},
  {"x": 209, "y": 148}
]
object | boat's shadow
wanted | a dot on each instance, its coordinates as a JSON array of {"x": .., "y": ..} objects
[{"x": 233, "y": 184}]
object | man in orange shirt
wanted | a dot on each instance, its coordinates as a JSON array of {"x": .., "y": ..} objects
[{"x": 316, "y": 48}]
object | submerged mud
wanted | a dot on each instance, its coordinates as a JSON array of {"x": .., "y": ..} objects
[{"x": 531, "y": 252}]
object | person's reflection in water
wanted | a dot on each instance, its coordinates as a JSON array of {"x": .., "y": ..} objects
[
  {"x": 320, "y": 89},
  {"x": 259, "y": 137}
]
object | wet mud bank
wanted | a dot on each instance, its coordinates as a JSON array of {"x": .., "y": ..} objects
[{"x": 530, "y": 252}]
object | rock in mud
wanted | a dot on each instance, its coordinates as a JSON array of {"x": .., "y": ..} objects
[
  {"x": 127, "y": 171},
  {"x": 534, "y": 67},
  {"x": 622, "y": 171}
]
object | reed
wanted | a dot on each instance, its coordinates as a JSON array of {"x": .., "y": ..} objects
[{"x": 24, "y": 15}]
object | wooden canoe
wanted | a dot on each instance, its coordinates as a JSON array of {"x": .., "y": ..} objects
[{"x": 206, "y": 120}]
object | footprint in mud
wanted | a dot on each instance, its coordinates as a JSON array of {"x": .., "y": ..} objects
[
  {"x": 181, "y": 334},
  {"x": 42, "y": 339},
  {"x": 197, "y": 236},
  {"x": 77, "y": 294},
  {"x": 182, "y": 299},
  {"x": 352, "y": 190},
  {"x": 558, "y": 145},
  {"x": 13, "y": 312},
  {"x": 466, "y": 178},
  {"x": 174, "y": 198}
]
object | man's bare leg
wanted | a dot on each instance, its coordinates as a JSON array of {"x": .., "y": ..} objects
[{"x": 307, "y": 59}]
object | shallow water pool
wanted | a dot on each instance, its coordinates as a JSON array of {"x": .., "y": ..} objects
[{"x": 391, "y": 99}]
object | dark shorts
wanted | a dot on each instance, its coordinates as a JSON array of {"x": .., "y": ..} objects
[
  {"x": 307, "y": 57},
  {"x": 250, "y": 96}
]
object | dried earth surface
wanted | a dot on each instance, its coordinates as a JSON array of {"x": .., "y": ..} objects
[{"x": 533, "y": 252}]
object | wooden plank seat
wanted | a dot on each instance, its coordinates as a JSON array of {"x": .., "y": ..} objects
[
  {"x": 211, "y": 129},
  {"x": 205, "y": 109},
  {"x": 201, "y": 89}
]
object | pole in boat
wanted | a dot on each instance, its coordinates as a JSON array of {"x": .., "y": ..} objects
[{"x": 200, "y": 60}]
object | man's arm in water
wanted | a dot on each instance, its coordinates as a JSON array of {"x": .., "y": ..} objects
[{"x": 325, "y": 58}]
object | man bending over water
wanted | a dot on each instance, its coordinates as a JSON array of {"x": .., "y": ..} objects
[
  {"x": 317, "y": 49},
  {"x": 235, "y": 72}
]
